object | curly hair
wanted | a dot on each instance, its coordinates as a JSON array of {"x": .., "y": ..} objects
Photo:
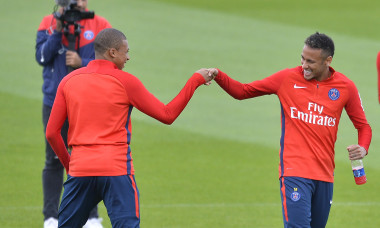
[{"x": 321, "y": 41}]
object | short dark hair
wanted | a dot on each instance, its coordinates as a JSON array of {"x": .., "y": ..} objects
[
  {"x": 321, "y": 41},
  {"x": 108, "y": 38}
]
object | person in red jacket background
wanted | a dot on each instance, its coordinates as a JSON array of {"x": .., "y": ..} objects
[{"x": 98, "y": 102}]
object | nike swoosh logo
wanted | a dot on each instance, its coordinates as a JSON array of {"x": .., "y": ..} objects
[{"x": 299, "y": 87}]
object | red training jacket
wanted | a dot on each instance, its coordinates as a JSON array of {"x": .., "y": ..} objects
[
  {"x": 98, "y": 101},
  {"x": 310, "y": 114}
]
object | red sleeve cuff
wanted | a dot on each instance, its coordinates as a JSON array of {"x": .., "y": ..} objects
[{"x": 199, "y": 78}]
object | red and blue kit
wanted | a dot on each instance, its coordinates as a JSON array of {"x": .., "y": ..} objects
[
  {"x": 98, "y": 102},
  {"x": 310, "y": 114}
]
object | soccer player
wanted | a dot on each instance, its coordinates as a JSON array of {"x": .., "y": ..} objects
[
  {"x": 312, "y": 98},
  {"x": 98, "y": 102}
]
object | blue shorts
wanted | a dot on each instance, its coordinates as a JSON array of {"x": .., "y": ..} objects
[
  {"x": 119, "y": 194},
  {"x": 305, "y": 202}
]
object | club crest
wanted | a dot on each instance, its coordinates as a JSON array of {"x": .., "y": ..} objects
[
  {"x": 334, "y": 94},
  {"x": 295, "y": 196},
  {"x": 89, "y": 35}
]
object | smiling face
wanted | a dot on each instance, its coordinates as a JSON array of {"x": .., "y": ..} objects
[
  {"x": 120, "y": 55},
  {"x": 112, "y": 45},
  {"x": 315, "y": 64}
]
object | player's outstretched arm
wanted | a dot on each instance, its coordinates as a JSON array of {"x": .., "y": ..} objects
[
  {"x": 241, "y": 91},
  {"x": 234, "y": 88},
  {"x": 147, "y": 103}
]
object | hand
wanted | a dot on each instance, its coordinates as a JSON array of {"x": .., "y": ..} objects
[
  {"x": 59, "y": 26},
  {"x": 356, "y": 152},
  {"x": 205, "y": 73},
  {"x": 73, "y": 59},
  {"x": 208, "y": 74},
  {"x": 213, "y": 72}
]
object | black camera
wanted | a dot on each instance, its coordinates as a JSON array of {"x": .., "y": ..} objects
[
  {"x": 69, "y": 18},
  {"x": 70, "y": 13}
]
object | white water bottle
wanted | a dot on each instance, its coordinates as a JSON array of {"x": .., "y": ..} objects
[{"x": 358, "y": 170}]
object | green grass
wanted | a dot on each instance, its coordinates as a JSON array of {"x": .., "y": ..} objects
[{"x": 217, "y": 165}]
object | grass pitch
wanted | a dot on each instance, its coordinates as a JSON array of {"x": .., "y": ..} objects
[{"x": 216, "y": 166}]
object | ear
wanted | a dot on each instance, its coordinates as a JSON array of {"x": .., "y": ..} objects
[
  {"x": 112, "y": 52},
  {"x": 329, "y": 60}
]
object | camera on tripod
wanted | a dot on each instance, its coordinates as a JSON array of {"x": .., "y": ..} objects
[{"x": 70, "y": 13}]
